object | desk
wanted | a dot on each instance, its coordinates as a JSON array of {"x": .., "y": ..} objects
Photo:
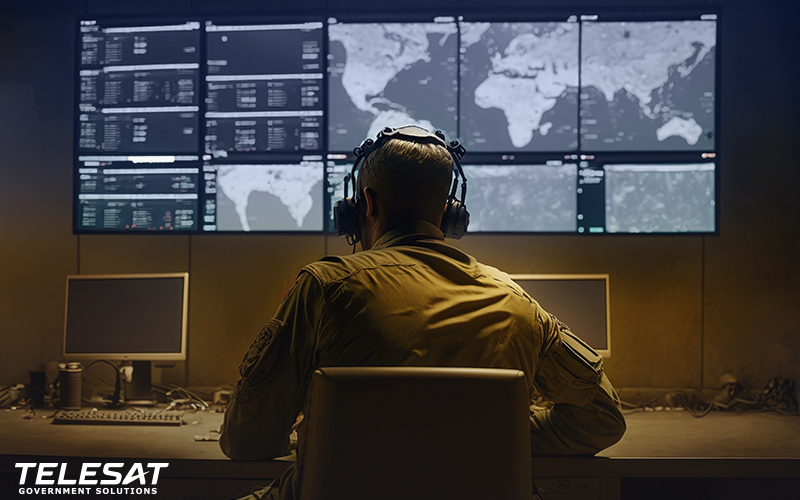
[
  {"x": 23, "y": 440},
  {"x": 657, "y": 448}
]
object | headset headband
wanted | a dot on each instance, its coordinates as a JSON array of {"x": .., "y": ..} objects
[
  {"x": 414, "y": 134},
  {"x": 456, "y": 217}
]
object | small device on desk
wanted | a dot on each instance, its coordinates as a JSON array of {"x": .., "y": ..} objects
[
  {"x": 136, "y": 318},
  {"x": 103, "y": 417}
]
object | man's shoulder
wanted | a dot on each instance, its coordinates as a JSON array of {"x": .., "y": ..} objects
[
  {"x": 501, "y": 278},
  {"x": 333, "y": 268}
]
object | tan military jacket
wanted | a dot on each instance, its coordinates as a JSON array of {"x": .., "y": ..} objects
[{"x": 415, "y": 300}]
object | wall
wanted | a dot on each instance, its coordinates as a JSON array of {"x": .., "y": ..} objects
[{"x": 685, "y": 310}]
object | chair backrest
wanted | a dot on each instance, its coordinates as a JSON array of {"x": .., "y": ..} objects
[{"x": 417, "y": 433}]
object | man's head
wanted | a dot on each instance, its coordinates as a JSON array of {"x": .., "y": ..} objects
[{"x": 401, "y": 182}]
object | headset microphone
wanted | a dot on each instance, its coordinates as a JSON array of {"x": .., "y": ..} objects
[{"x": 456, "y": 218}]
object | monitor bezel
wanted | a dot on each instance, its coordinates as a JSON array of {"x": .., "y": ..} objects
[
  {"x": 605, "y": 353},
  {"x": 181, "y": 356}
]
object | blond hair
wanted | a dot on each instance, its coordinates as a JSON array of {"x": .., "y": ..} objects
[{"x": 411, "y": 180}]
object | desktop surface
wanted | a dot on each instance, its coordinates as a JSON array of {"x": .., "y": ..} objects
[
  {"x": 650, "y": 435},
  {"x": 672, "y": 449}
]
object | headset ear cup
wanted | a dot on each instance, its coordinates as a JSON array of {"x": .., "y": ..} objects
[
  {"x": 345, "y": 217},
  {"x": 455, "y": 220}
]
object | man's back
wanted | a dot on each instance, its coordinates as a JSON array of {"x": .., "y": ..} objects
[{"x": 414, "y": 300}]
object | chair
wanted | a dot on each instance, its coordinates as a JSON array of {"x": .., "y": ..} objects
[{"x": 417, "y": 433}]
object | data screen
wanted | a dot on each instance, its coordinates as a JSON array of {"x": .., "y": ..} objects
[
  {"x": 140, "y": 130},
  {"x": 279, "y": 196},
  {"x": 648, "y": 85},
  {"x": 390, "y": 75},
  {"x": 573, "y": 122},
  {"x": 522, "y": 198},
  {"x": 119, "y": 193},
  {"x": 519, "y": 86},
  {"x": 137, "y": 45},
  {"x": 139, "y": 88},
  {"x": 264, "y": 88},
  {"x": 660, "y": 198}
]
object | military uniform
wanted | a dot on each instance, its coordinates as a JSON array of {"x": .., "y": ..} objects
[{"x": 414, "y": 300}]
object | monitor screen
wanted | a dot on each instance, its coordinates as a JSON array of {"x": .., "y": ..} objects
[
  {"x": 139, "y": 88},
  {"x": 647, "y": 197},
  {"x": 137, "y": 193},
  {"x": 129, "y": 317},
  {"x": 659, "y": 198},
  {"x": 581, "y": 301},
  {"x": 390, "y": 75},
  {"x": 264, "y": 88},
  {"x": 519, "y": 86},
  {"x": 648, "y": 85},
  {"x": 275, "y": 196},
  {"x": 522, "y": 198},
  {"x": 573, "y": 123}
]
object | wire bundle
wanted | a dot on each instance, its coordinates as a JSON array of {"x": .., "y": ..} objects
[{"x": 778, "y": 397}]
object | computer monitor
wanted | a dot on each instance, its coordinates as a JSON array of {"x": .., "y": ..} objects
[
  {"x": 519, "y": 86},
  {"x": 660, "y": 198},
  {"x": 390, "y": 74},
  {"x": 648, "y": 85},
  {"x": 285, "y": 194},
  {"x": 574, "y": 122},
  {"x": 138, "y": 88},
  {"x": 264, "y": 89},
  {"x": 519, "y": 198},
  {"x": 130, "y": 317},
  {"x": 581, "y": 301},
  {"x": 137, "y": 193}
]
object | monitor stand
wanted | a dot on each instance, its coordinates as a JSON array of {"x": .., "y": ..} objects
[{"x": 138, "y": 391}]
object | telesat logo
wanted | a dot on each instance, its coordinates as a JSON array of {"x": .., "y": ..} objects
[{"x": 94, "y": 478}]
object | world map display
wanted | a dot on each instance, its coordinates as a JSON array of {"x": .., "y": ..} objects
[
  {"x": 390, "y": 75},
  {"x": 660, "y": 198},
  {"x": 520, "y": 198},
  {"x": 269, "y": 197},
  {"x": 519, "y": 86},
  {"x": 524, "y": 98},
  {"x": 647, "y": 85}
]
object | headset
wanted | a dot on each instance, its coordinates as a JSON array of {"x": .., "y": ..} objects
[{"x": 456, "y": 217}]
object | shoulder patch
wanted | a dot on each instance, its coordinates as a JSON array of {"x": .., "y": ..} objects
[{"x": 288, "y": 292}]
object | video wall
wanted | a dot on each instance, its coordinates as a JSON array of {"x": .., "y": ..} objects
[{"x": 581, "y": 124}]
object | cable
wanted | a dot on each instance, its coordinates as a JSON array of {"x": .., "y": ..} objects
[
  {"x": 116, "y": 398},
  {"x": 777, "y": 397},
  {"x": 189, "y": 395}
]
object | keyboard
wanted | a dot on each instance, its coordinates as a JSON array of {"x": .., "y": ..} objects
[{"x": 108, "y": 417}]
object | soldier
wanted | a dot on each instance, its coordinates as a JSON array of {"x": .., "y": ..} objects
[{"x": 409, "y": 298}]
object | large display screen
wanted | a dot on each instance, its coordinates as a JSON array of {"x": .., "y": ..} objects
[
  {"x": 579, "y": 124},
  {"x": 138, "y": 88},
  {"x": 519, "y": 86},
  {"x": 523, "y": 198},
  {"x": 263, "y": 88},
  {"x": 648, "y": 85},
  {"x": 128, "y": 193},
  {"x": 390, "y": 75},
  {"x": 274, "y": 196}
]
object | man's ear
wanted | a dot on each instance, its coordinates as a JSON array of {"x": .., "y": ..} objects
[{"x": 370, "y": 203}]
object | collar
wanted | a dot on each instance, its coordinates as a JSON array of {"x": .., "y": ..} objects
[{"x": 414, "y": 230}]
